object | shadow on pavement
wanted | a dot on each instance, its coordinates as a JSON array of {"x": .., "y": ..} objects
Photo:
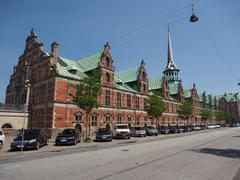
[
  {"x": 236, "y": 136},
  {"x": 230, "y": 153}
]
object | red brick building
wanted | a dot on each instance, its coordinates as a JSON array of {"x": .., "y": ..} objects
[{"x": 44, "y": 81}]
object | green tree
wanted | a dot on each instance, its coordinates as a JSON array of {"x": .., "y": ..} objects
[
  {"x": 155, "y": 106},
  {"x": 220, "y": 116},
  {"x": 185, "y": 110},
  {"x": 206, "y": 114},
  {"x": 87, "y": 93}
]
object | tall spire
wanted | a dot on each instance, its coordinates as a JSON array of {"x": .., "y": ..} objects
[{"x": 170, "y": 60}]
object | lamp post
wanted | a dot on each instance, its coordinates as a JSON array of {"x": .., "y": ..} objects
[{"x": 25, "y": 105}]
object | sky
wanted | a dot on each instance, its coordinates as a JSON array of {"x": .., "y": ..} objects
[{"x": 206, "y": 52}]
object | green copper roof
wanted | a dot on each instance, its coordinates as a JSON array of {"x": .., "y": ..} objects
[
  {"x": 174, "y": 87},
  {"x": 155, "y": 83},
  {"x": 187, "y": 93},
  {"x": 129, "y": 75},
  {"x": 64, "y": 67},
  {"x": 231, "y": 97},
  {"x": 124, "y": 87},
  {"x": 91, "y": 62}
]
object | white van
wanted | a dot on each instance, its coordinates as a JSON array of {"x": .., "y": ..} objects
[
  {"x": 2, "y": 138},
  {"x": 121, "y": 131}
]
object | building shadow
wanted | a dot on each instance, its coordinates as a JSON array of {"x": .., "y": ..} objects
[
  {"x": 230, "y": 153},
  {"x": 236, "y": 136}
]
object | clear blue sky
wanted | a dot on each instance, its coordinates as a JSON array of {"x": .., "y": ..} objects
[{"x": 206, "y": 52}]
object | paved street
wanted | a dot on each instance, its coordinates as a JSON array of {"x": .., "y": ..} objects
[{"x": 205, "y": 155}]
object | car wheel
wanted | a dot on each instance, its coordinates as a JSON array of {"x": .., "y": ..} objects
[
  {"x": 129, "y": 137},
  {"x": 37, "y": 146}
]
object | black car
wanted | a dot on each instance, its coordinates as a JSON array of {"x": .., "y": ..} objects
[
  {"x": 32, "y": 139},
  {"x": 180, "y": 129},
  {"x": 104, "y": 134},
  {"x": 164, "y": 130},
  {"x": 68, "y": 136},
  {"x": 173, "y": 129},
  {"x": 187, "y": 129}
]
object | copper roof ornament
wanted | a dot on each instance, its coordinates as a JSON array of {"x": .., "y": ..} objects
[{"x": 193, "y": 17}]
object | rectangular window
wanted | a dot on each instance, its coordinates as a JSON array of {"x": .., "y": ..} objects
[
  {"x": 129, "y": 101},
  {"x": 137, "y": 120},
  {"x": 137, "y": 102},
  {"x": 129, "y": 119},
  {"x": 107, "y": 98},
  {"x": 94, "y": 120},
  {"x": 119, "y": 120},
  {"x": 145, "y": 104},
  {"x": 119, "y": 100}
]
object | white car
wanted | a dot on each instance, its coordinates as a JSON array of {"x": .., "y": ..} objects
[
  {"x": 121, "y": 131},
  {"x": 2, "y": 138}
]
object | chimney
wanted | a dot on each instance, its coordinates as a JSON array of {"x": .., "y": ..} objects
[{"x": 54, "y": 49}]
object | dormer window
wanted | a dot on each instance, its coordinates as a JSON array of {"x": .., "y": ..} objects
[{"x": 107, "y": 62}]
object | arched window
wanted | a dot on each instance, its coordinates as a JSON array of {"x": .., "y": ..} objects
[
  {"x": 6, "y": 125},
  {"x": 108, "y": 118},
  {"x": 137, "y": 120},
  {"x": 107, "y": 77},
  {"x": 119, "y": 119},
  {"x": 144, "y": 88},
  {"x": 144, "y": 75},
  {"x": 78, "y": 117},
  {"x": 107, "y": 62},
  {"x": 94, "y": 119}
]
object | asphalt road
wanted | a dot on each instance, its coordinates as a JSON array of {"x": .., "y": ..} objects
[{"x": 212, "y": 155}]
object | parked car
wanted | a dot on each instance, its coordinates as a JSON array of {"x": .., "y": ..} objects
[
  {"x": 121, "y": 131},
  {"x": 150, "y": 130},
  {"x": 180, "y": 129},
  {"x": 173, "y": 129},
  {"x": 68, "y": 136},
  {"x": 211, "y": 126},
  {"x": 2, "y": 138},
  {"x": 187, "y": 129},
  {"x": 203, "y": 127},
  {"x": 32, "y": 139},
  {"x": 196, "y": 128},
  {"x": 164, "y": 130},
  {"x": 104, "y": 134},
  {"x": 139, "y": 131}
]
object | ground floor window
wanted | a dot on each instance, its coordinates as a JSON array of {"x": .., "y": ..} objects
[
  {"x": 107, "y": 118},
  {"x": 119, "y": 119},
  {"x": 78, "y": 117},
  {"x": 94, "y": 119},
  {"x": 137, "y": 120}
]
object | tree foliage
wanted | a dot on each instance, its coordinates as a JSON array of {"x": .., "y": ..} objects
[
  {"x": 206, "y": 114},
  {"x": 225, "y": 116},
  {"x": 87, "y": 93},
  {"x": 185, "y": 110},
  {"x": 88, "y": 90},
  {"x": 156, "y": 106}
]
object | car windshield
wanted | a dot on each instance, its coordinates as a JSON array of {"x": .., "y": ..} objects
[
  {"x": 122, "y": 127},
  {"x": 68, "y": 131},
  {"x": 164, "y": 127},
  {"x": 139, "y": 128},
  {"x": 150, "y": 127},
  {"x": 28, "y": 135},
  {"x": 103, "y": 130}
]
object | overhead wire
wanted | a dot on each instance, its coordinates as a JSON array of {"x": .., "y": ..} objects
[{"x": 165, "y": 26}]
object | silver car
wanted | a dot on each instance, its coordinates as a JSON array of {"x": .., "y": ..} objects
[{"x": 139, "y": 131}]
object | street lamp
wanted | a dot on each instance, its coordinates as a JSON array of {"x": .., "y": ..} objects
[{"x": 25, "y": 105}]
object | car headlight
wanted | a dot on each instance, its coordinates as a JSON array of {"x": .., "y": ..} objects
[{"x": 32, "y": 141}]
